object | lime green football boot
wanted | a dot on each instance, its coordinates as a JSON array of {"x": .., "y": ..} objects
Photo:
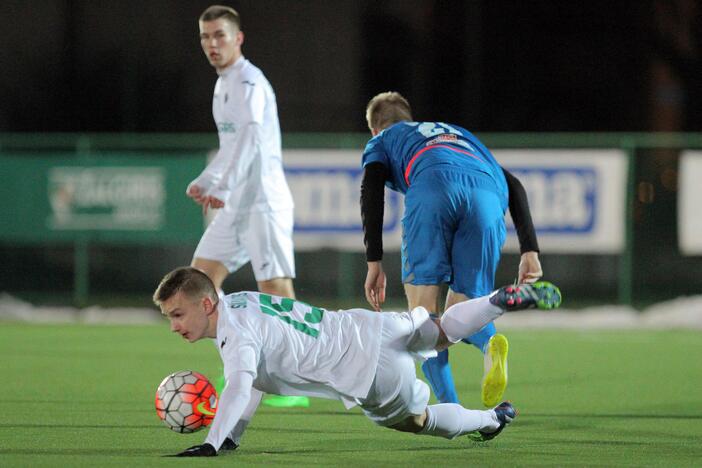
[
  {"x": 277, "y": 401},
  {"x": 495, "y": 378},
  {"x": 540, "y": 295},
  {"x": 282, "y": 401}
]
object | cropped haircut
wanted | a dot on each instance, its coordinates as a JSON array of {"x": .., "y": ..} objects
[
  {"x": 387, "y": 109},
  {"x": 216, "y": 12},
  {"x": 188, "y": 280}
]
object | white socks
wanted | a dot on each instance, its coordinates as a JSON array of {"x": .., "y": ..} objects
[
  {"x": 466, "y": 318},
  {"x": 450, "y": 420}
]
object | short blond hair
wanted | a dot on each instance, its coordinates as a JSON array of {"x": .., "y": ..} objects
[
  {"x": 193, "y": 283},
  {"x": 215, "y": 12},
  {"x": 386, "y": 109}
]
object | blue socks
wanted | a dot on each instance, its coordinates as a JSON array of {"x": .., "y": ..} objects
[
  {"x": 480, "y": 340},
  {"x": 438, "y": 372}
]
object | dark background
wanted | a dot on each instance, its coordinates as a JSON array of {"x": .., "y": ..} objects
[{"x": 490, "y": 65}]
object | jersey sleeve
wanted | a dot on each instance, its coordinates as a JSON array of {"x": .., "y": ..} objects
[
  {"x": 375, "y": 152},
  {"x": 242, "y": 356},
  {"x": 253, "y": 99},
  {"x": 372, "y": 209},
  {"x": 246, "y": 416},
  {"x": 230, "y": 407},
  {"x": 212, "y": 174},
  {"x": 521, "y": 215}
]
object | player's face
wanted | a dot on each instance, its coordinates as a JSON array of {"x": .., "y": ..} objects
[
  {"x": 221, "y": 41},
  {"x": 189, "y": 318}
]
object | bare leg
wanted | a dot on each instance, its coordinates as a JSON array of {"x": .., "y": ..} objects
[
  {"x": 216, "y": 270},
  {"x": 278, "y": 286},
  {"x": 453, "y": 297},
  {"x": 426, "y": 296},
  {"x": 411, "y": 424}
]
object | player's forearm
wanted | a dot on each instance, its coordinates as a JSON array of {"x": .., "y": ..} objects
[
  {"x": 246, "y": 417},
  {"x": 372, "y": 210},
  {"x": 212, "y": 174},
  {"x": 521, "y": 215},
  {"x": 230, "y": 407}
]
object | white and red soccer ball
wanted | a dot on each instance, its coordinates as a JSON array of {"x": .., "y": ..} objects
[{"x": 186, "y": 401}]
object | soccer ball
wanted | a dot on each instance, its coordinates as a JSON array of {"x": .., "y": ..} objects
[{"x": 186, "y": 401}]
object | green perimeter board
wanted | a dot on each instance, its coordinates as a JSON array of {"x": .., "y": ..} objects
[{"x": 31, "y": 184}]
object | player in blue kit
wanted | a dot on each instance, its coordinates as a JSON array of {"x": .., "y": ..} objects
[{"x": 456, "y": 195}]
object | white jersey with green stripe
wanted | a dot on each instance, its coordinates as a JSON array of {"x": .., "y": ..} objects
[{"x": 293, "y": 348}]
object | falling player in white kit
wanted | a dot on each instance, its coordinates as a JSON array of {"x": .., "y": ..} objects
[
  {"x": 246, "y": 177},
  {"x": 278, "y": 345}
]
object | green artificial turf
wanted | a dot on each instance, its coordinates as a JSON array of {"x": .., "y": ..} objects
[{"x": 79, "y": 395}]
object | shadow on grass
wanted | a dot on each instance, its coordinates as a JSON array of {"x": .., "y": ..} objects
[
  {"x": 311, "y": 411},
  {"x": 77, "y": 426},
  {"x": 613, "y": 416},
  {"x": 152, "y": 426},
  {"x": 70, "y": 452},
  {"x": 599, "y": 442},
  {"x": 301, "y": 430},
  {"x": 328, "y": 449},
  {"x": 246, "y": 453}
]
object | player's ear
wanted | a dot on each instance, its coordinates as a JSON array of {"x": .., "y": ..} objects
[
  {"x": 239, "y": 38},
  {"x": 208, "y": 305}
]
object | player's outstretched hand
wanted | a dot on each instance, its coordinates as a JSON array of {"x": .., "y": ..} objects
[
  {"x": 529, "y": 268},
  {"x": 204, "y": 450}
]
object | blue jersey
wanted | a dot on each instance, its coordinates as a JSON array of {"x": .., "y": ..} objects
[{"x": 407, "y": 148}]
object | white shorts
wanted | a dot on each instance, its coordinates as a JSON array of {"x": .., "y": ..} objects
[
  {"x": 396, "y": 392},
  {"x": 262, "y": 238}
]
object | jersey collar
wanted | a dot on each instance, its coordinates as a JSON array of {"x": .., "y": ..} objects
[{"x": 236, "y": 66}]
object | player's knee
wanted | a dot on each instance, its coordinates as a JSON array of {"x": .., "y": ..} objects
[
  {"x": 214, "y": 269},
  {"x": 427, "y": 332}
]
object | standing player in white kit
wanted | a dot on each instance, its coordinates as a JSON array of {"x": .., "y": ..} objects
[
  {"x": 278, "y": 345},
  {"x": 246, "y": 177}
]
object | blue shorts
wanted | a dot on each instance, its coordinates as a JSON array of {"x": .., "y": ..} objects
[{"x": 453, "y": 230}]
